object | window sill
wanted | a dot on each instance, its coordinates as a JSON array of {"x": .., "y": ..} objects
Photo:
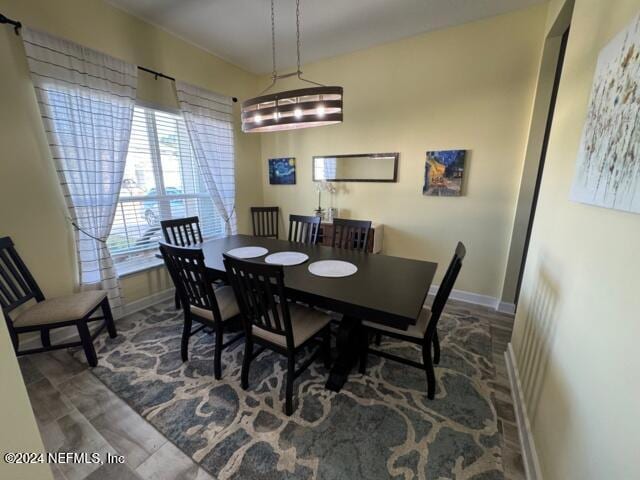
[{"x": 138, "y": 267}]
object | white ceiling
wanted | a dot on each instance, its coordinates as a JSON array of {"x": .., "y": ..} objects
[{"x": 240, "y": 30}]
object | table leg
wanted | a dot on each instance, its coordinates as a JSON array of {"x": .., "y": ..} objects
[{"x": 348, "y": 343}]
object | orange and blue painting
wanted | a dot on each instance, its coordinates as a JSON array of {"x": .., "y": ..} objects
[
  {"x": 443, "y": 173},
  {"x": 282, "y": 171}
]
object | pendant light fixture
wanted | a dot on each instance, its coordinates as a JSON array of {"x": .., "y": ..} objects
[{"x": 292, "y": 109}]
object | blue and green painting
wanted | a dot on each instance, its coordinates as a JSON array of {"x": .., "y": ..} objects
[
  {"x": 443, "y": 173},
  {"x": 282, "y": 171}
]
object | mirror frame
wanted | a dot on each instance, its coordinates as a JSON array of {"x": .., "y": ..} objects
[{"x": 395, "y": 155}]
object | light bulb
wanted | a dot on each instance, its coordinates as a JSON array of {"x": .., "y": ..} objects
[
  {"x": 320, "y": 110},
  {"x": 257, "y": 118},
  {"x": 297, "y": 112}
]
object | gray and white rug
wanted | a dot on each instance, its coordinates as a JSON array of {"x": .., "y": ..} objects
[{"x": 379, "y": 426}]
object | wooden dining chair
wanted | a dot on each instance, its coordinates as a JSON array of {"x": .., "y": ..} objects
[
  {"x": 182, "y": 232},
  {"x": 18, "y": 288},
  {"x": 200, "y": 303},
  {"x": 304, "y": 229},
  {"x": 351, "y": 234},
  {"x": 270, "y": 320},
  {"x": 423, "y": 333},
  {"x": 265, "y": 221}
]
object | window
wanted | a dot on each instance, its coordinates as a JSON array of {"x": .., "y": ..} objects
[{"x": 161, "y": 181}]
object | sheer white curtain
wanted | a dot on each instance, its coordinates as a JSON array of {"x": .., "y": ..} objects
[
  {"x": 209, "y": 121},
  {"x": 86, "y": 101}
]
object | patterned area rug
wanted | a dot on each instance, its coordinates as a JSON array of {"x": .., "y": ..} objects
[{"x": 379, "y": 426}]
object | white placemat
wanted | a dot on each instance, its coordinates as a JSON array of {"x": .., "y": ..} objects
[
  {"x": 248, "y": 252},
  {"x": 287, "y": 258},
  {"x": 332, "y": 268}
]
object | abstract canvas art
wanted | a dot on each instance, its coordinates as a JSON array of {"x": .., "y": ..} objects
[
  {"x": 282, "y": 171},
  {"x": 443, "y": 173},
  {"x": 608, "y": 165}
]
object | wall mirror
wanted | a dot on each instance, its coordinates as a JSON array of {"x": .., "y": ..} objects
[{"x": 364, "y": 167}]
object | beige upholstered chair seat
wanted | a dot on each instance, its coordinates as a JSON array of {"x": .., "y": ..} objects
[
  {"x": 226, "y": 303},
  {"x": 60, "y": 309},
  {"x": 305, "y": 323},
  {"x": 416, "y": 331}
]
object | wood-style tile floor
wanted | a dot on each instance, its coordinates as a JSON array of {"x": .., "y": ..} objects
[{"x": 77, "y": 413}]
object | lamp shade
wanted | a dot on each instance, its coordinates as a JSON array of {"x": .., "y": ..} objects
[{"x": 293, "y": 109}]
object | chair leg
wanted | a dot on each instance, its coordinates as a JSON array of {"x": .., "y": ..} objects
[
  {"x": 246, "y": 362},
  {"x": 87, "y": 343},
  {"x": 436, "y": 349},
  {"x": 326, "y": 347},
  {"x": 45, "y": 337},
  {"x": 364, "y": 352},
  {"x": 291, "y": 368},
  {"x": 217, "y": 354},
  {"x": 186, "y": 333},
  {"x": 177, "y": 301},
  {"x": 428, "y": 367},
  {"x": 378, "y": 339},
  {"x": 108, "y": 318}
]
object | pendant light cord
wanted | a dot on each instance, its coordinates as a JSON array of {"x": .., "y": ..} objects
[
  {"x": 274, "y": 72},
  {"x": 299, "y": 71},
  {"x": 298, "y": 42}
]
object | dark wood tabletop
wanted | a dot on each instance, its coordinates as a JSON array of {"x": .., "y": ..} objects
[{"x": 385, "y": 289}]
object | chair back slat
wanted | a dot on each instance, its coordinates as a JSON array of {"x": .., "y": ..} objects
[
  {"x": 265, "y": 221},
  {"x": 189, "y": 274},
  {"x": 304, "y": 229},
  {"x": 351, "y": 234},
  {"x": 17, "y": 285},
  {"x": 259, "y": 289},
  {"x": 182, "y": 232},
  {"x": 446, "y": 286}
]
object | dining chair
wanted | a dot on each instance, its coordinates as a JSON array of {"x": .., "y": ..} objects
[
  {"x": 182, "y": 232},
  {"x": 200, "y": 302},
  {"x": 265, "y": 221},
  {"x": 304, "y": 229},
  {"x": 272, "y": 321},
  {"x": 18, "y": 287},
  {"x": 351, "y": 234},
  {"x": 423, "y": 333}
]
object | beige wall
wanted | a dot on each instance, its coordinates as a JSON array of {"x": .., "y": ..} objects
[
  {"x": 33, "y": 211},
  {"x": 19, "y": 432},
  {"x": 577, "y": 325},
  {"x": 463, "y": 87}
]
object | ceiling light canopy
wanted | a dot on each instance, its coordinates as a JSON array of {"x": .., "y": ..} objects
[{"x": 292, "y": 109}]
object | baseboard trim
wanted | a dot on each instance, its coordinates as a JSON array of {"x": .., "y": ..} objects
[
  {"x": 529, "y": 453},
  {"x": 66, "y": 334},
  {"x": 506, "y": 307},
  {"x": 469, "y": 297},
  {"x": 478, "y": 299}
]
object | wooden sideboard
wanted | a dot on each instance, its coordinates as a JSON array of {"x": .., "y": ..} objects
[{"x": 325, "y": 234}]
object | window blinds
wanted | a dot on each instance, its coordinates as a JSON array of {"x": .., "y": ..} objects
[{"x": 161, "y": 181}]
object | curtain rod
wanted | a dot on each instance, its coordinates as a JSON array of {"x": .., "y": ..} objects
[{"x": 17, "y": 26}]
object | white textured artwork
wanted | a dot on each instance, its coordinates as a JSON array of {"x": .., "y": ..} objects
[{"x": 608, "y": 165}]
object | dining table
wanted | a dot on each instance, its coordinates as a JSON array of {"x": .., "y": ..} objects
[{"x": 385, "y": 289}]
